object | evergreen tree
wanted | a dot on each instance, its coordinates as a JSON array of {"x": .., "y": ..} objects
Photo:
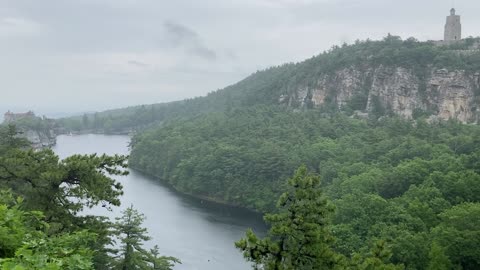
[
  {"x": 132, "y": 235},
  {"x": 378, "y": 258},
  {"x": 44, "y": 230},
  {"x": 161, "y": 262},
  {"x": 299, "y": 238},
  {"x": 9, "y": 138}
]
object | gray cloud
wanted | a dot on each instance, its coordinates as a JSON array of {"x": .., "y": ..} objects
[{"x": 181, "y": 36}]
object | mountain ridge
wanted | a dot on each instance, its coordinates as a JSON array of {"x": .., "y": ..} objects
[{"x": 388, "y": 77}]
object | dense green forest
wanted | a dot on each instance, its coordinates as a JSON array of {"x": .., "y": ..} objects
[
  {"x": 300, "y": 236},
  {"x": 413, "y": 184},
  {"x": 404, "y": 193},
  {"x": 41, "y": 200},
  {"x": 265, "y": 87},
  {"x": 40, "y": 225}
]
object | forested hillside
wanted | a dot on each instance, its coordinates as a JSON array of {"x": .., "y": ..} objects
[
  {"x": 372, "y": 119},
  {"x": 338, "y": 79},
  {"x": 408, "y": 182}
]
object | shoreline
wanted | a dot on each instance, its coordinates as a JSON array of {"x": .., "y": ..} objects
[
  {"x": 83, "y": 132},
  {"x": 194, "y": 196},
  {"x": 163, "y": 182}
]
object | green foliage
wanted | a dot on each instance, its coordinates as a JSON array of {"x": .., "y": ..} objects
[
  {"x": 15, "y": 224},
  {"x": 267, "y": 86},
  {"x": 409, "y": 183},
  {"x": 438, "y": 259},
  {"x": 419, "y": 113},
  {"x": 131, "y": 235},
  {"x": 132, "y": 255},
  {"x": 378, "y": 258},
  {"x": 460, "y": 234},
  {"x": 20, "y": 129},
  {"x": 358, "y": 102},
  {"x": 9, "y": 138},
  {"x": 61, "y": 189},
  {"x": 42, "y": 229},
  {"x": 378, "y": 109},
  {"x": 68, "y": 251},
  {"x": 35, "y": 123},
  {"x": 25, "y": 245},
  {"x": 389, "y": 179},
  {"x": 161, "y": 262},
  {"x": 299, "y": 237}
]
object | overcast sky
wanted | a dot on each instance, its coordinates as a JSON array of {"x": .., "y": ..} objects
[{"x": 85, "y": 55}]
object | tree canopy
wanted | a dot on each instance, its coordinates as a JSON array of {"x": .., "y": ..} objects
[
  {"x": 41, "y": 198},
  {"x": 390, "y": 179}
]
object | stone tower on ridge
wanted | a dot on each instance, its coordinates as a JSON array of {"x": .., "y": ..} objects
[{"x": 453, "y": 27}]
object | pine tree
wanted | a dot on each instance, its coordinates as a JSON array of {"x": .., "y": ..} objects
[
  {"x": 378, "y": 258},
  {"x": 299, "y": 238},
  {"x": 9, "y": 138},
  {"x": 161, "y": 262},
  {"x": 132, "y": 236}
]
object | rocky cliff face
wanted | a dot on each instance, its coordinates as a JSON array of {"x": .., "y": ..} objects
[
  {"x": 39, "y": 139},
  {"x": 438, "y": 93}
]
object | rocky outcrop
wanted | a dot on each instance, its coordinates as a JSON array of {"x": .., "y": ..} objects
[
  {"x": 39, "y": 139},
  {"x": 439, "y": 93},
  {"x": 40, "y": 131}
]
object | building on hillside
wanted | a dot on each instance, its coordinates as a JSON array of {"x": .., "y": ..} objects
[
  {"x": 10, "y": 117},
  {"x": 453, "y": 27}
]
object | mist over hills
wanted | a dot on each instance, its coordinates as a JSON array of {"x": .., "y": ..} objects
[{"x": 388, "y": 77}]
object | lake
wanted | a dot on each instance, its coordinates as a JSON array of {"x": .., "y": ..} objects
[{"x": 199, "y": 233}]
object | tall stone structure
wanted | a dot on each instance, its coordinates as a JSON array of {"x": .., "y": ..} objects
[{"x": 453, "y": 27}]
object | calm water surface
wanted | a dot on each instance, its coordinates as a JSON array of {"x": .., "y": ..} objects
[{"x": 201, "y": 234}]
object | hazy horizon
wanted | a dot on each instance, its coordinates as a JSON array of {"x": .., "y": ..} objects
[{"x": 70, "y": 57}]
